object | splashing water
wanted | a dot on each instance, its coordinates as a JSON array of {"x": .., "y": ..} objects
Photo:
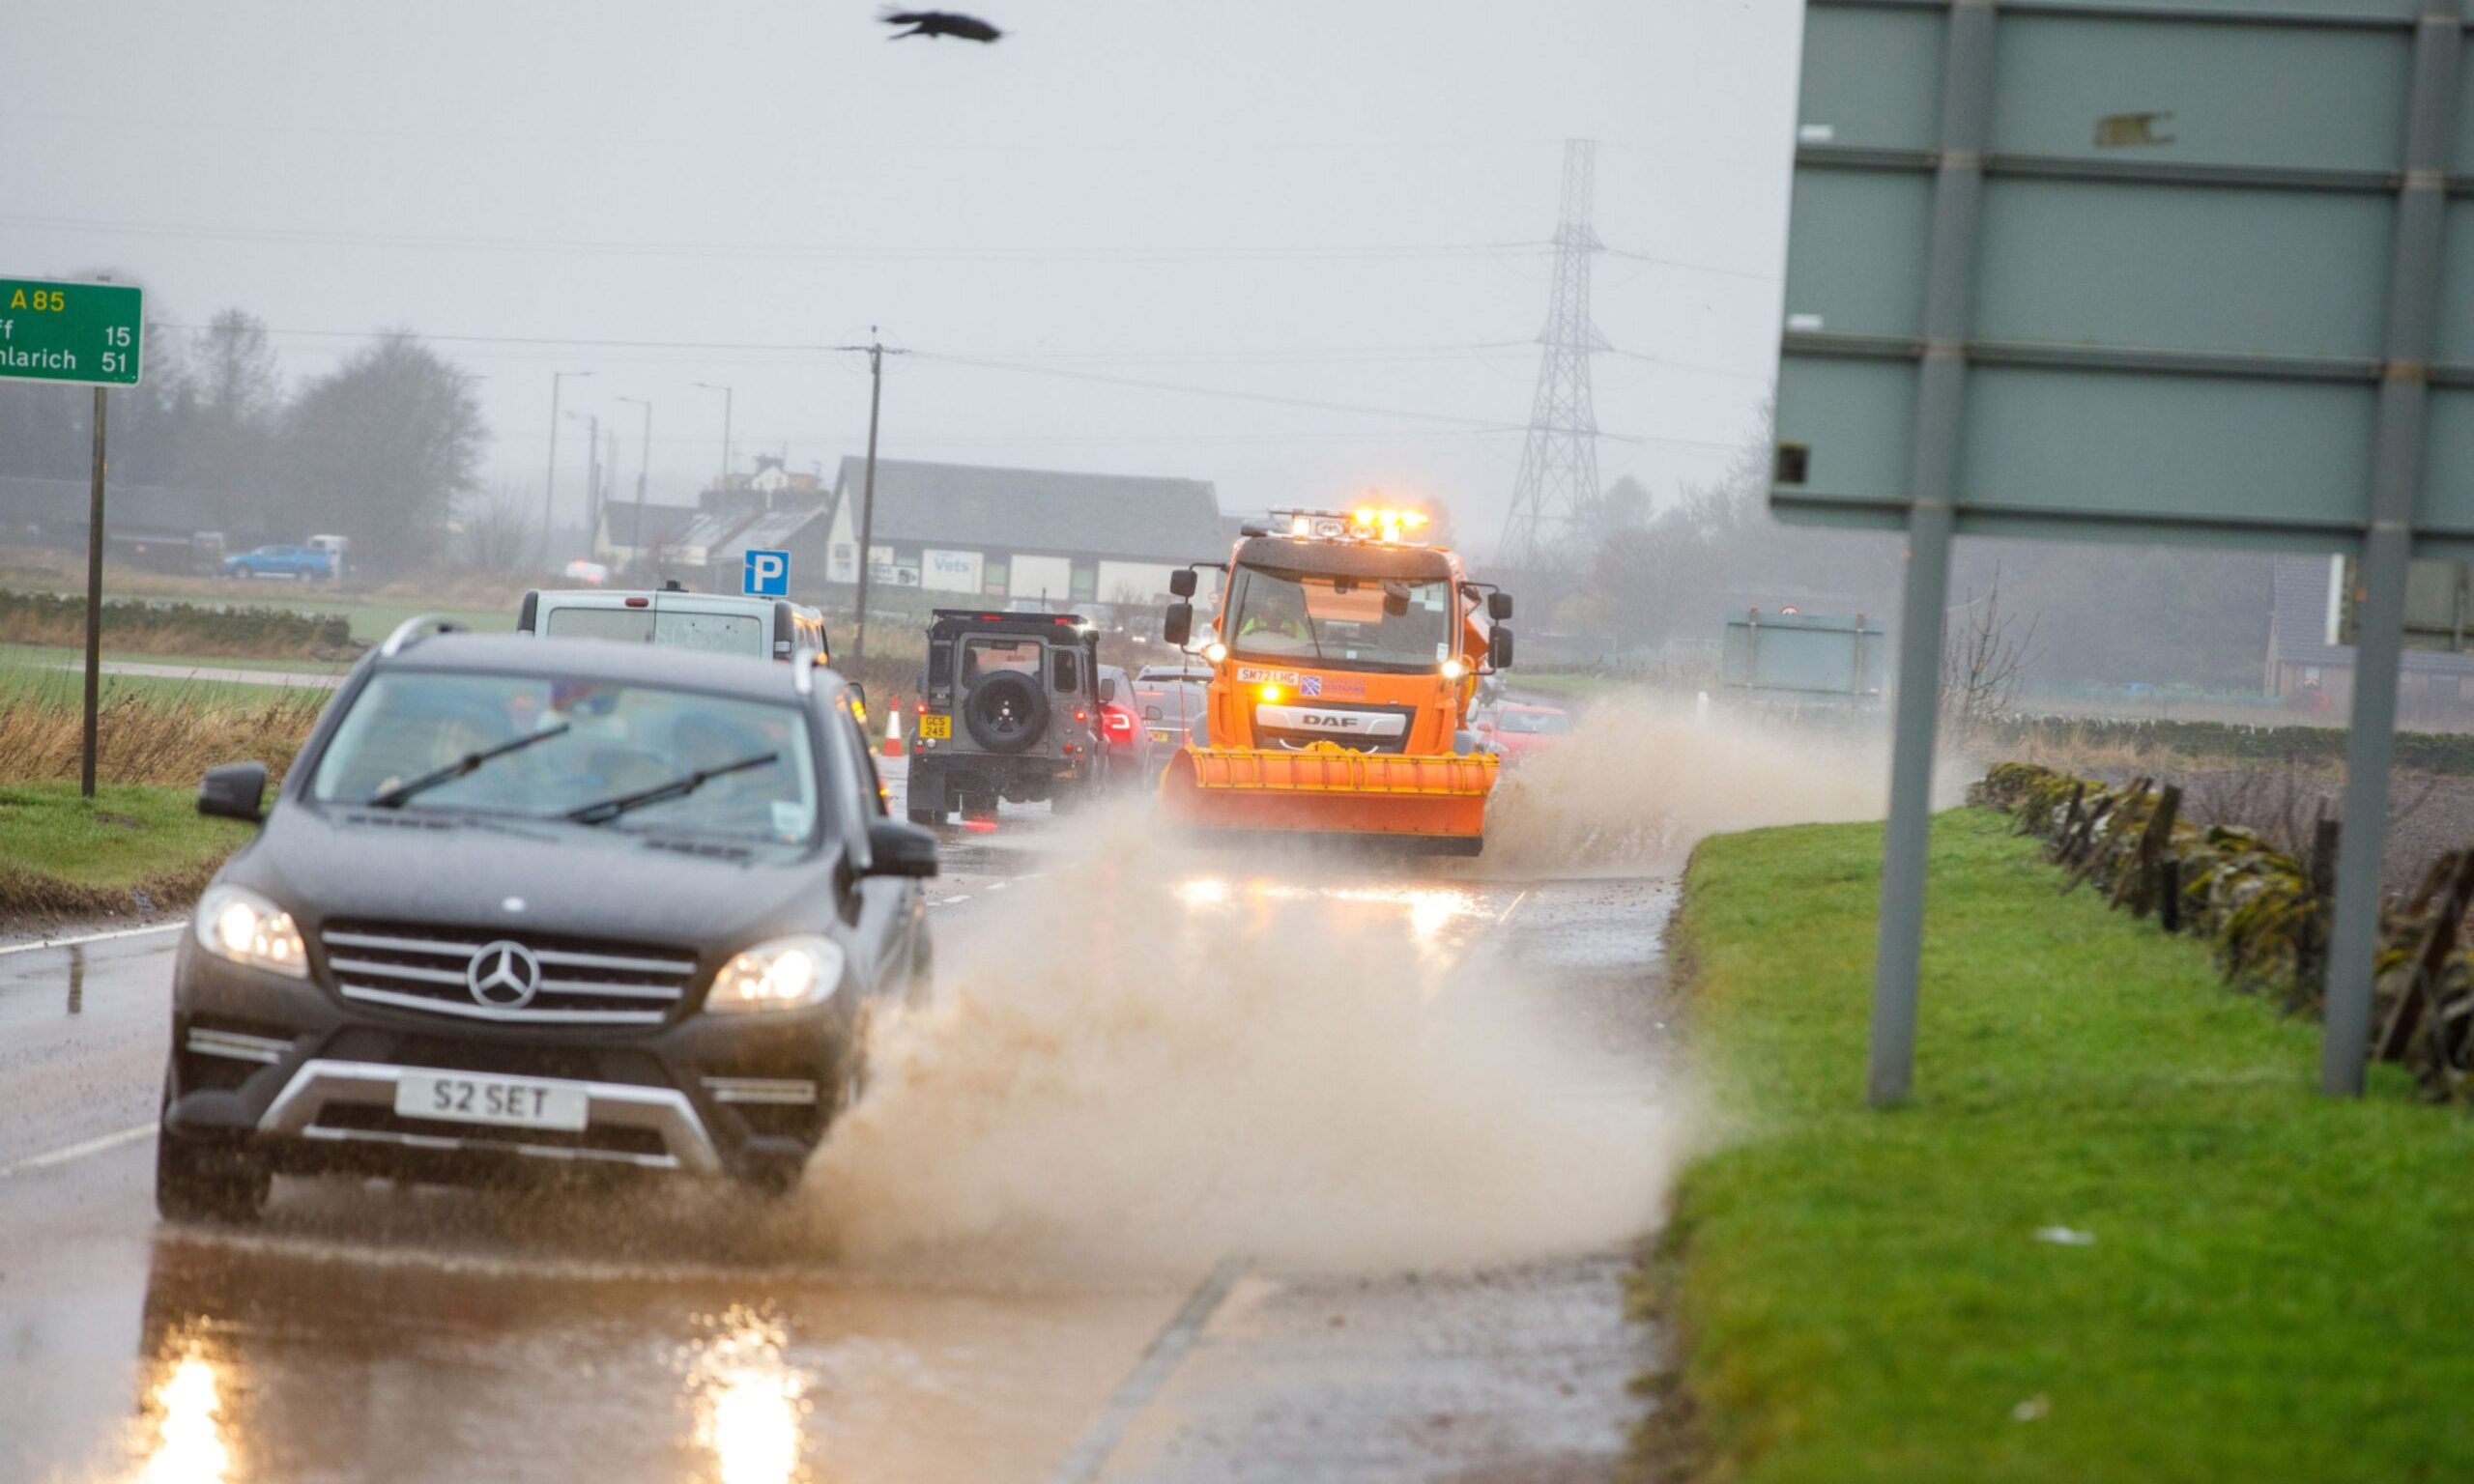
[
  {"x": 1154, "y": 1057},
  {"x": 1640, "y": 781}
]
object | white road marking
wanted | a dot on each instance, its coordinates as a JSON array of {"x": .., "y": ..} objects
[
  {"x": 1159, "y": 1361},
  {"x": 947, "y": 902},
  {"x": 93, "y": 937},
  {"x": 93, "y": 1146}
]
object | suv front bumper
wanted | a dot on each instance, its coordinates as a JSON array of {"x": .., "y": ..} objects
[{"x": 290, "y": 1075}]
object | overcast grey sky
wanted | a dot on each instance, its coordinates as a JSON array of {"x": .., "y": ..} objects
[{"x": 1341, "y": 201}]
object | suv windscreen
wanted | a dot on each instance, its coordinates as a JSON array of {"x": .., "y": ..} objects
[
  {"x": 718, "y": 633},
  {"x": 1399, "y": 623},
  {"x": 617, "y": 740}
]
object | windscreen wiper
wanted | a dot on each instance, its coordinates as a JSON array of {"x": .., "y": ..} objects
[
  {"x": 395, "y": 797},
  {"x": 603, "y": 811}
]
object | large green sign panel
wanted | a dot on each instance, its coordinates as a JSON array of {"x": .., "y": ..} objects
[
  {"x": 88, "y": 333},
  {"x": 2174, "y": 298}
]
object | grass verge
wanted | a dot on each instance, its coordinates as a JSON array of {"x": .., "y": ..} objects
[
  {"x": 1865, "y": 1297},
  {"x": 62, "y": 856}
]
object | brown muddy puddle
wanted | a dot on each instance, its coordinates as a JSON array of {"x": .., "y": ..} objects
[{"x": 295, "y": 1357}]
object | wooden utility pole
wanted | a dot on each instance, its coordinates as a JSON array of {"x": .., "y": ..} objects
[{"x": 94, "y": 607}]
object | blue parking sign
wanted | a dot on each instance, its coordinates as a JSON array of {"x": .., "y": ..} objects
[{"x": 768, "y": 574}]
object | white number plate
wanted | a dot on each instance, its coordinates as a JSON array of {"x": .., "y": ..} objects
[{"x": 513, "y": 1103}]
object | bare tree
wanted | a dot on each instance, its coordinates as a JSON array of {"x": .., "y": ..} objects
[
  {"x": 1982, "y": 660},
  {"x": 499, "y": 529}
]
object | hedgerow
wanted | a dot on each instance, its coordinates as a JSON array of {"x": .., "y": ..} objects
[{"x": 174, "y": 628}]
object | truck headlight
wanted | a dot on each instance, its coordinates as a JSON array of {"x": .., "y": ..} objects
[
  {"x": 237, "y": 924},
  {"x": 784, "y": 974}
]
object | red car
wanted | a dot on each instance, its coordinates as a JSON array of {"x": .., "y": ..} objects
[
  {"x": 1128, "y": 740},
  {"x": 1519, "y": 731}
]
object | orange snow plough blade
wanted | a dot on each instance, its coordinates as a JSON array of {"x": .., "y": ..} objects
[{"x": 1435, "y": 804}]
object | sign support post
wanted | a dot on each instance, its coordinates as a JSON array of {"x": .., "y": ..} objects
[
  {"x": 1941, "y": 397},
  {"x": 94, "y": 605},
  {"x": 2396, "y": 473}
]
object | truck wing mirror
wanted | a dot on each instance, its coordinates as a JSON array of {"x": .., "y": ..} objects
[
  {"x": 1499, "y": 647},
  {"x": 1498, "y": 606},
  {"x": 1179, "y": 625},
  {"x": 1182, "y": 582}
]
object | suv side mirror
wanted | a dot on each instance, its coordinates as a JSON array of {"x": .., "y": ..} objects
[
  {"x": 236, "y": 790},
  {"x": 1182, "y": 582},
  {"x": 901, "y": 849},
  {"x": 1179, "y": 625},
  {"x": 1498, "y": 606},
  {"x": 1499, "y": 647}
]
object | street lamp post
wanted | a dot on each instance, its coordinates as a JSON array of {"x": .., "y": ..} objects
[
  {"x": 727, "y": 396},
  {"x": 592, "y": 477},
  {"x": 643, "y": 467},
  {"x": 549, "y": 480}
]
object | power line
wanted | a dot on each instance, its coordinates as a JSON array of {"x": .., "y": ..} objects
[
  {"x": 1698, "y": 268},
  {"x": 1268, "y": 398},
  {"x": 1273, "y": 356},
  {"x": 1482, "y": 426},
  {"x": 1217, "y": 252}
]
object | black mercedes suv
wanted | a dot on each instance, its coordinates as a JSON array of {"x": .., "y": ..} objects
[
  {"x": 1009, "y": 710},
  {"x": 527, "y": 903}
]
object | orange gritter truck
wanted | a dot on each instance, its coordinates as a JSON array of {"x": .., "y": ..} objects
[{"x": 1345, "y": 659}]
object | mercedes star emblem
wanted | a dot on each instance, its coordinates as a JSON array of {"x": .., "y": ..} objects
[{"x": 503, "y": 976}]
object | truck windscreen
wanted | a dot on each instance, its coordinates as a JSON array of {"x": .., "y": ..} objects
[{"x": 1358, "y": 622}]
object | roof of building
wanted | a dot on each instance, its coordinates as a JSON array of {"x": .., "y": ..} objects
[
  {"x": 772, "y": 530},
  {"x": 2298, "y": 622},
  {"x": 979, "y": 507},
  {"x": 663, "y": 522},
  {"x": 712, "y": 529}
]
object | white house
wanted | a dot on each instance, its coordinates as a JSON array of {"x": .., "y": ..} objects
[{"x": 1024, "y": 533}]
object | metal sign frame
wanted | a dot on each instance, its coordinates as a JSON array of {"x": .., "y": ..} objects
[{"x": 2101, "y": 430}]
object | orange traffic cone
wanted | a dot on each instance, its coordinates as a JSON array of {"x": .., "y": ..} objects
[{"x": 893, "y": 727}]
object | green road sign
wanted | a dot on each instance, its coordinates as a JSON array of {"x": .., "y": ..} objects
[
  {"x": 88, "y": 333},
  {"x": 2144, "y": 270}
]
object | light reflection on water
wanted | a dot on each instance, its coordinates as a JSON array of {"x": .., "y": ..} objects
[
  {"x": 1429, "y": 910},
  {"x": 188, "y": 1447},
  {"x": 750, "y": 1401}
]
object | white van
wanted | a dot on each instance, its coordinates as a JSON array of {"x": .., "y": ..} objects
[{"x": 718, "y": 622}]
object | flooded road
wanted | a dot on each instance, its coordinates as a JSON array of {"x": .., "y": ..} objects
[{"x": 1199, "y": 1169}]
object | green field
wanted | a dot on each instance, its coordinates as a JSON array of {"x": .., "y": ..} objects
[
  {"x": 2276, "y": 1283},
  {"x": 62, "y": 856},
  {"x": 36, "y": 674}
]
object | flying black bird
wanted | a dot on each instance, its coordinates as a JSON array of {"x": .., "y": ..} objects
[{"x": 967, "y": 28}]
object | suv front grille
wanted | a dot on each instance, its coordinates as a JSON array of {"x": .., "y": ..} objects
[{"x": 580, "y": 983}]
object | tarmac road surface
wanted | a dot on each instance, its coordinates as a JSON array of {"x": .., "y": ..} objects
[{"x": 364, "y": 1332}]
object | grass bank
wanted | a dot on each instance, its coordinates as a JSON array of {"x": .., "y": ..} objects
[
  {"x": 164, "y": 732},
  {"x": 2268, "y": 1292},
  {"x": 62, "y": 856}
]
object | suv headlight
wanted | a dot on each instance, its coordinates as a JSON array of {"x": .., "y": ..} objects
[
  {"x": 783, "y": 974},
  {"x": 238, "y": 923}
]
